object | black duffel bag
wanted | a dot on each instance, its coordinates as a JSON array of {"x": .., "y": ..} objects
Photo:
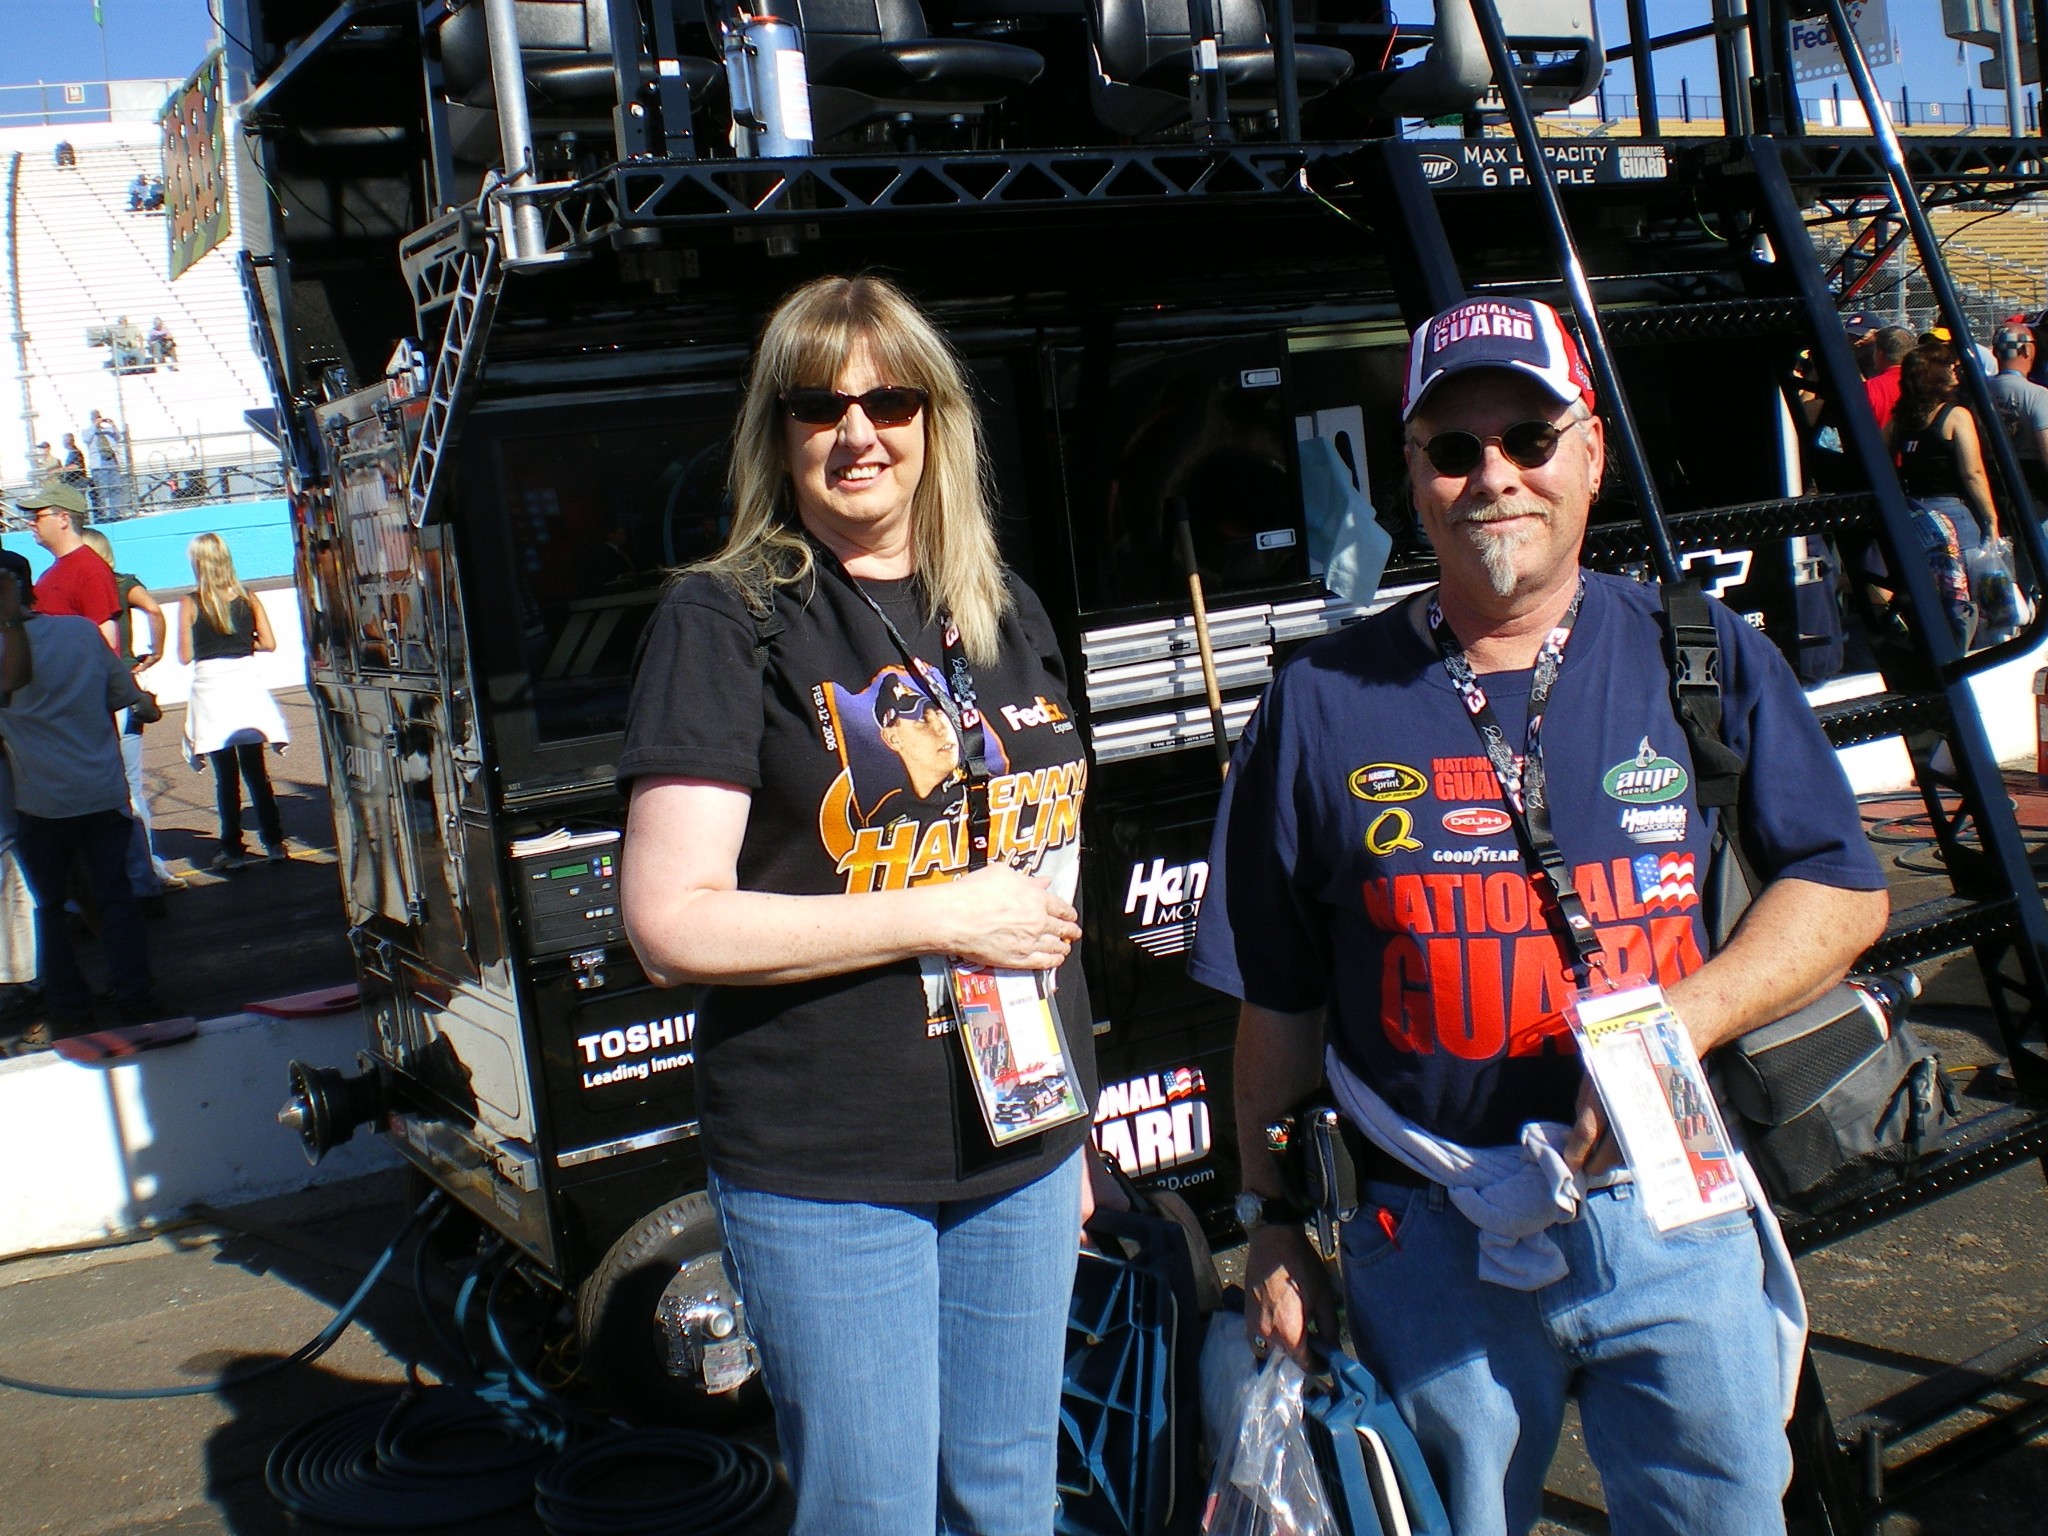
[{"x": 1836, "y": 1093}]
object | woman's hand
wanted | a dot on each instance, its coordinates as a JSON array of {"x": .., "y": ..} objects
[{"x": 996, "y": 916}]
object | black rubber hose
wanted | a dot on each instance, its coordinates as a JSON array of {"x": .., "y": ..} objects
[
  {"x": 384, "y": 1464},
  {"x": 733, "y": 1483}
]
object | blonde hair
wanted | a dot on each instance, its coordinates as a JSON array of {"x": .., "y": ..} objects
[
  {"x": 98, "y": 543},
  {"x": 806, "y": 344},
  {"x": 215, "y": 584}
]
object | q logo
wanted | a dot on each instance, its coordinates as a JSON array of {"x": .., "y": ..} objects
[{"x": 1392, "y": 831}]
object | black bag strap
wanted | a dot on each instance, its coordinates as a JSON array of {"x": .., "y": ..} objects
[{"x": 1693, "y": 649}]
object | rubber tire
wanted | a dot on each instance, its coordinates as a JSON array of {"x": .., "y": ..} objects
[{"x": 615, "y": 1323}]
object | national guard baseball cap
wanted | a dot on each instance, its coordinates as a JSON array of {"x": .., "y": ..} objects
[
  {"x": 1525, "y": 335},
  {"x": 53, "y": 493}
]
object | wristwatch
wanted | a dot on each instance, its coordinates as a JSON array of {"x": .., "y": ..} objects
[{"x": 1254, "y": 1210}]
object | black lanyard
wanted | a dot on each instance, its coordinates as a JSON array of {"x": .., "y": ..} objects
[
  {"x": 956, "y": 700},
  {"x": 1522, "y": 788}
]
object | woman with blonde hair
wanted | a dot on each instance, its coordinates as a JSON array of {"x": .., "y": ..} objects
[
  {"x": 855, "y": 797},
  {"x": 231, "y": 715}
]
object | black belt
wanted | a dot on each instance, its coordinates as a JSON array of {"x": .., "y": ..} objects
[{"x": 1373, "y": 1161}]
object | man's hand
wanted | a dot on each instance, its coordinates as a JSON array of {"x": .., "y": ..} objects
[
  {"x": 1591, "y": 1149},
  {"x": 1287, "y": 1295}
]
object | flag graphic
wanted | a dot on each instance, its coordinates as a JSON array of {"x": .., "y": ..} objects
[{"x": 1664, "y": 880}]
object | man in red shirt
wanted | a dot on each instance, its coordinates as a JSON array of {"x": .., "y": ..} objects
[
  {"x": 80, "y": 582},
  {"x": 1887, "y": 352}
]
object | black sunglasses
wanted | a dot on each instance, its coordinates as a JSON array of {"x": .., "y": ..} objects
[
  {"x": 889, "y": 406},
  {"x": 1529, "y": 444}
]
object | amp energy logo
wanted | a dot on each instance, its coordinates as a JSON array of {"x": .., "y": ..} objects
[{"x": 1648, "y": 778}]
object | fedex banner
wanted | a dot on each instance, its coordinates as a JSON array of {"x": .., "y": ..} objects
[{"x": 1816, "y": 55}]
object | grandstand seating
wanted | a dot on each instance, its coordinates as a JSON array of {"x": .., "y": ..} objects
[
  {"x": 2002, "y": 252},
  {"x": 87, "y": 261}
]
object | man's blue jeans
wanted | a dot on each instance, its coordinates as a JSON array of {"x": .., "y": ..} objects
[
  {"x": 914, "y": 1353},
  {"x": 1665, "y": 1338},
  {"x": 100, "y": 842}
]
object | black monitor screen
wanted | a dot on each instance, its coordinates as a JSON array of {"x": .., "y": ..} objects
[{"x": 596, "y": 505}]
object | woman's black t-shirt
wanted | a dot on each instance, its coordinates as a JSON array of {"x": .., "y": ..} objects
[{"x": 839, "y": 1088}]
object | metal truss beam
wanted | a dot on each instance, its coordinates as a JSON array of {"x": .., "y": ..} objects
[
  {"x": 455, "y": 366},
  {"x": 698, "y": 193}
]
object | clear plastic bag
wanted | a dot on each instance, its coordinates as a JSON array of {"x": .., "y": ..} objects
[
  {"x": 2002, "y": 609},
  {"x": 1266, "y": 1482}
]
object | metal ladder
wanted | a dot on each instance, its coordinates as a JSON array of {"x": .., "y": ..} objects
[{"x": 1844, "y": 1478}]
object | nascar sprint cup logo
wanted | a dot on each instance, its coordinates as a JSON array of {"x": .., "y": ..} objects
[{"x": 1166, "y": 899}]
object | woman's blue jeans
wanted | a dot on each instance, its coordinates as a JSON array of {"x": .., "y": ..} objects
[
  {"x": 1665, "y": 1338},
  {"x": 914, "y": 1353}
]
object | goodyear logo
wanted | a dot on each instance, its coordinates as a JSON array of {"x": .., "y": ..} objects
[
  {"x": 1384, "y": 783},
  {"x": 1646, "y": 779}
]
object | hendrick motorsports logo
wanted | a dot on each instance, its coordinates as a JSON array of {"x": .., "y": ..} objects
[
  {"x": 1384, "y": 782},
  {"x": 1655, "y": 823},
  {"x": 1166, "y": 899},
  {"x": 1154, "y": 1122},
  {"x": 1647, "y": 779}
]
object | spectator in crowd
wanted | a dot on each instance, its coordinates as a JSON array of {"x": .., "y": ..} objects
[
  {"x": 1888, "y": 350},
  {"x": 74, "y": 461},
  {"x": 1499, "y": 1260},
  {"x": 162, "y": 345},
  {"x": 231, "y": 715},
  {"x": 2022, "y": 405},
  {"x": 107, "y": 481},
  {"x": 64, "y": 157},
  {"x": 46, "y": 465},
  {"x": 138, "y": 192},
  {"x": 1941, "y": 467},
  {"x": 79, "y": 583},
  {"x": 148, "y": 875},
  {"x": 153, "y": 199},
  {"x": 62, "y": 685}
]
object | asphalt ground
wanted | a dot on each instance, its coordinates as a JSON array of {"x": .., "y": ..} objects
[
  {"x": 268, "y": 930},
  {"x": 236, "y": 1288}
]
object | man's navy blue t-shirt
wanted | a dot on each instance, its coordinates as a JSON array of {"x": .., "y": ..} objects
[{"x": 1363, "y": 859}]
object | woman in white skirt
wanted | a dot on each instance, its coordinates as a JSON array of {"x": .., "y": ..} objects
[{"x": 231, "y": 716}]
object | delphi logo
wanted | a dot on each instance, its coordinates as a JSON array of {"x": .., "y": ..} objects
[
  {"x": 1166, "y": 900},
  {"x": 1042, "y": 712}
]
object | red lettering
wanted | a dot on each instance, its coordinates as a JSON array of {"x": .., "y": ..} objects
[
  {"x": 1629, "y": 959},
  {"x": 1474, "y": 897},
  {"x": 1677, "y": 948},
  {"x": 1510, "y": 905},
  {"x": 1626, "y": 907},
  {"x": 1483, "y": 1037},
  {"x": 1404, "y": 989},
  {"x": 1447, "y": 993},
  {"x": 1591, "y": 880},
  {"x": 1377, "y": 907},
  {"x": 1443, "y": 897},
  {"x": 1537, "y": 994},
  {"x": 1411, "y": 905}
]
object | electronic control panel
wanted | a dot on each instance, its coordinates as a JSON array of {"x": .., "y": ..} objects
[{"x": 569, "y": 890}]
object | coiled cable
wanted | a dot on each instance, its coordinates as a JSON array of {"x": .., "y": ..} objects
[
  {"x": 732, "y": 1483},
  {"x": 433, "y": 1456}
]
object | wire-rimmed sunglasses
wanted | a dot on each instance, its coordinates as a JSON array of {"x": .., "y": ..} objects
[
  {"x": 1527, "y": 444},
  {"x": 890, "y": 405}
]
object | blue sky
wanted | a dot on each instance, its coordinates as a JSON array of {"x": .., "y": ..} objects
[{"x": 56, "y": 40}]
